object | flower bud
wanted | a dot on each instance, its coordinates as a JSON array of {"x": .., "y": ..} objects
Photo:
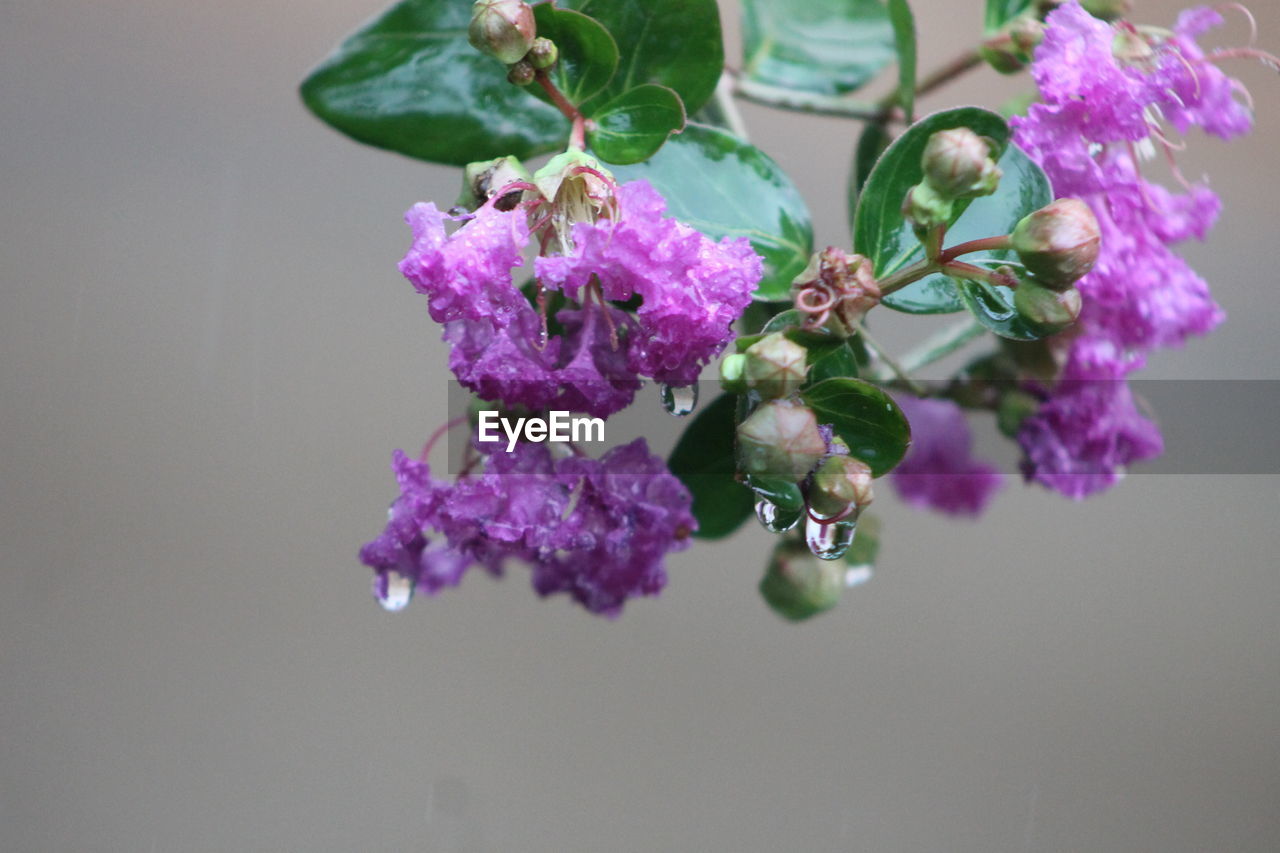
[
  {"x": 732, "y": 368},
  {"x": 543, "y": 54},
  {"x": 957, "y": 164},
  {"x": 775, "y": 366},
  {"x": 480, "y": 180},
  {"x": 504, "y": 29},
  {"x": 839, "y": 483},
  {"x": 797, "y": 585},
  {"x": 1015, "y": 406},
  {"x": 1047, "y": 311},
  {"x": 1058, "y": 243},
  {"x": 924, "y": 208},
  {"x": 780, "y": 439},
  {"x": 521, "y": 74},
  {"x": 1009, "y": 51}
]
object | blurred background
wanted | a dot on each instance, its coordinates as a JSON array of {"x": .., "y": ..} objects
[{"x": 206, "y": 357}]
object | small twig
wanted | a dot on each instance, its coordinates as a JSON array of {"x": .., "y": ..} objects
[
  {"x": 916, "y": 388},
  {"x": 942, "y": 344}
]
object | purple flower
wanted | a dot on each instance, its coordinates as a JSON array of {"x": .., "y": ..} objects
[
  {"x": 690, "y": 291},
  {"x": 1084, "y": 437},
  {"x": 1104, "y": 90},
  {"x": 939, "y": 471},
  {"x": 598, "y": 530}
]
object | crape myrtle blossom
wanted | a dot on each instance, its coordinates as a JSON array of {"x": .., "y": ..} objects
[
  {"x": 939, "y": 471},
  {"x": 595, "y": 529},
  {"x": 1105, "y": 91},
  {"x": 608, "y": 245}
]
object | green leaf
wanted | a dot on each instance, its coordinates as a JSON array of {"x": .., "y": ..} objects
[
  {"x": 1001, "y": 12},
  {"x": 409, "y": 82},
  {"x": 880, "y": 232},
  {"x": 633, "y": 126},
  {"x": 704, "y": 461},
  {"x": 904, "y": 39},
  {"x": 840, "y": 361},
  {"x": 784, "y": 494},
  {"x": 588, "y": 55},
  {"x": 872, "y": 143},
  {"x": 674, "y": 43},
  {"x": 725, "y": 187},
  {"x": 865, "y": 417},
  {"x": 829, "y": 47}
]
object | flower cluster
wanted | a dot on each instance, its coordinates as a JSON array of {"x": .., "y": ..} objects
[
  {"x": 611, "y": 246},
  {"x": 1105, "y": 90},
  {"x": 596, "y": 529}
]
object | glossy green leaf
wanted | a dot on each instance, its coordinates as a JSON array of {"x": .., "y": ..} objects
[
  {"x": 992, "y": 306},
  {"x": 871, "y": 145},
  {"x": 784, "y": 494},
  {"x": 674, "y": 43},
  {"x": 837, "y": 362},
  {"x": 1001, "y": 12},
  {"x": 588, "y": 54},
  {"x": 725, "y": 187},
  {"x": 704, "y": 461},
  {"x": 904, "y": 39},
  {"x": 829, "y": 47},
  {"x": 865, "y": 417},
  {"x": 408, "y": 81},
  {"x": 633, "y": 126}
]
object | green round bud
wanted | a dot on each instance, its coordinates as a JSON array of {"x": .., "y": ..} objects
[
  {"x": 797, "y": 585},
  {"x": 775, "y": 366},
  {"x": 1047, "y": 311},
  {"x": 1058, "y": 243},
  {"x": 957, "y": 164},
  {"x": 839, "y": 483},
  {"x": 1002, "y": 55},
  {"x": 732, "y": 368},
  {"x": 543, "y": 54},
  {"x": 504, "y": 29},
  {"x": 780, "y": 439},
  {"x": 924, "y": 208},
  {"x": 1015, "y": 407},
  {"x": 521, "y": 74}
]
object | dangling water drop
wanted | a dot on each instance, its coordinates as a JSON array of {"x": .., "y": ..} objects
[
  {"x": 398, "y": 591},
  {"x": 775, "y": 520},
  {"x": 829, "y": 540},
  {"x": 679, "y": 401}
]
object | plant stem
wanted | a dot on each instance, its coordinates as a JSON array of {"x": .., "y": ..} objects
[
  {"x": 984, "y": 245},
  {"x": 577, "y": 136},
  {"x": 959, "y": 269},
  {"x": 903, "y": 277}
]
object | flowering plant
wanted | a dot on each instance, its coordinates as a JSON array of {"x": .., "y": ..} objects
[{"x": 658, "y": 241}]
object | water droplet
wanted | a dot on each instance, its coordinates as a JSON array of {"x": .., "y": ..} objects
[
  {"x": 679, "y": 401},
  {"x": 776, "y": 520},
  {"x": 828, "y": 540},
  {"x": 857, "y": 575},
  {"x": 395, "y": 596}
]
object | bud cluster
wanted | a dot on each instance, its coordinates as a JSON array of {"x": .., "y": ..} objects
[
  {"x": 957, "y": 164},
  {"x": 505, "y": 30}
]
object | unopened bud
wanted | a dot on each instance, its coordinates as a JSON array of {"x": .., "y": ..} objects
[
  {"x": 924, "y": 208},
  {"x": 839, "y": 483},
  {"x": 1015, "y": 407},
  {"x": 1059, "y": 242},
  {"x": 504, "y": 29},
  {"x": 521, "y": 74},
  {"x": 482, "y": 179},
  {"x": 732, "y": 368},
  {"x": 543, "y": 54},
  {"x": 1047, "y": 311},
  {"x": 797, "y": 585},
  {"x": 1108, "y": 10},
  {"x": 775, "y": 366},
  {"x": 957, "y": 164},
  {"x": 780, "y": 439}
]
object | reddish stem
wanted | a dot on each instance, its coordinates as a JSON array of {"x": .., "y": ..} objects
[
  {"x": 986, "y": 244},
  {"x": 436, "y": 436},
  {"x": 577, "y": 136}
]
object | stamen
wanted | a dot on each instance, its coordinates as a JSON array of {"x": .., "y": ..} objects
[
  {"x": 1267, "y": 59},
  {"x": 1243, "y": 10}
]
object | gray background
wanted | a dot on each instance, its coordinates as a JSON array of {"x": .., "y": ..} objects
[{"x": 206, "y": 356}]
